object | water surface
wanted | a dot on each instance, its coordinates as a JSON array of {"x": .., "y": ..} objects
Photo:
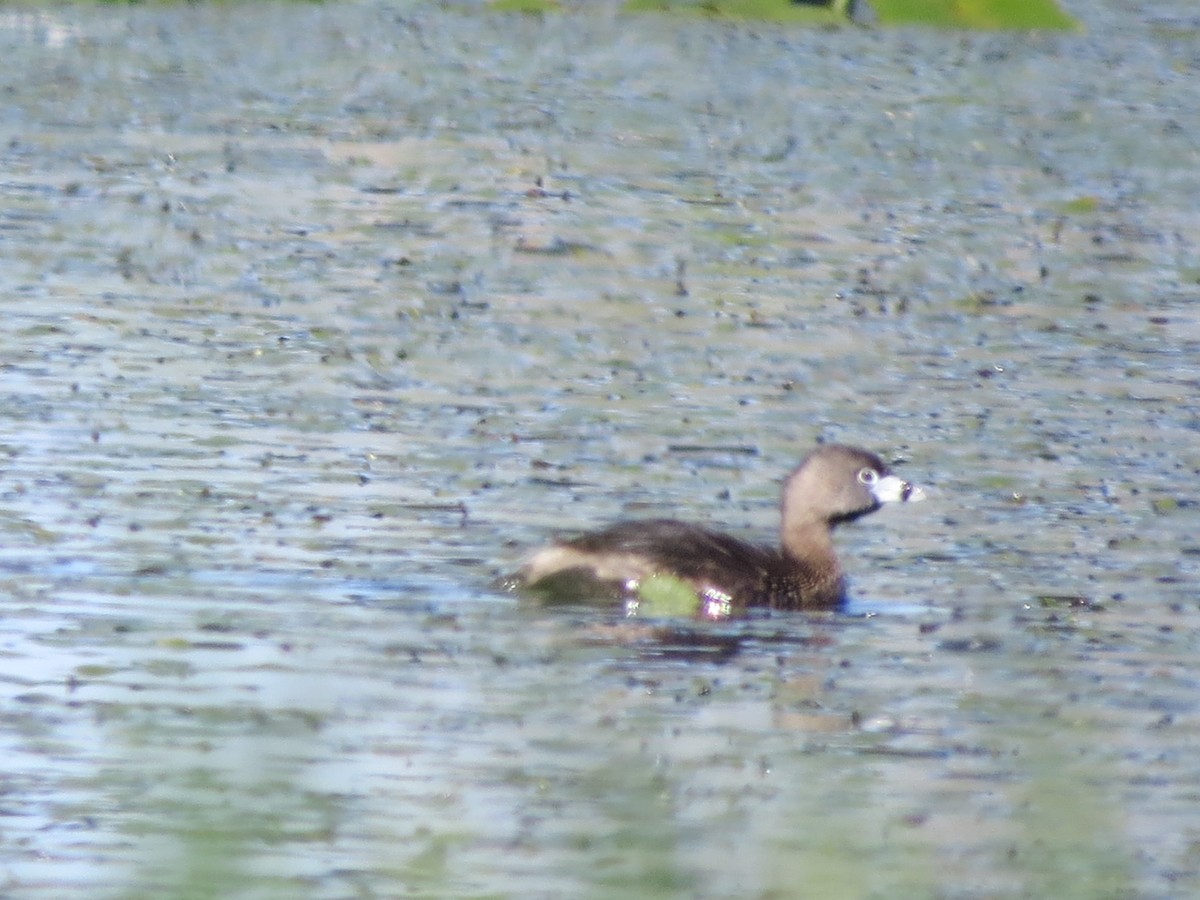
[{"x": 316, "y": 319}]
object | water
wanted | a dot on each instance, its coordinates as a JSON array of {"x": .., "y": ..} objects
[{"x": 317, "y": 319}]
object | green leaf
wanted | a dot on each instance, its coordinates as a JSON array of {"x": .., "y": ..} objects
[
  {"x": 984, "y": 14},
  {"x": 665, "y": 596}
]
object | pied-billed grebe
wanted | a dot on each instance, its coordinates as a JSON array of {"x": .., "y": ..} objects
[{"x": 834, "y": 484}]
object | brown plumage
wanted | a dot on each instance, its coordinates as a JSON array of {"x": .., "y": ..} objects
[{"x": 834, "y": 484}]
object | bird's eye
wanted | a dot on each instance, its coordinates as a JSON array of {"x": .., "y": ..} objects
[{"x": 867, "y": 476}]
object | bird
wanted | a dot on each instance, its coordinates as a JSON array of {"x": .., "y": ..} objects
[{"x": 833, "y": 485}]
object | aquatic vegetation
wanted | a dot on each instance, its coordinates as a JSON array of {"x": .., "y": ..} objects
[
  {"x": 770, "y": 10},
  {"x": 975, "y": 13},
  {"x": 982, "y": 14}
]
